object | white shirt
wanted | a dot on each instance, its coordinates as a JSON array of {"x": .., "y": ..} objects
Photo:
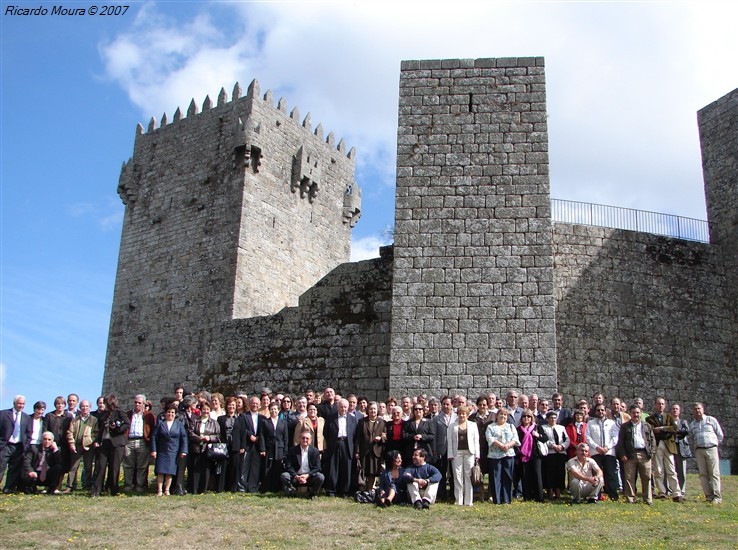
[
  {"x": 38, "y": 429},
  {"x": 601, "y": 433},
  {"x": 341, "y": 426},
  {"x": 17, "y": 416},
  {"x": 304, "y": 462},
  {"x": 639, "y": 442},
  {"x": 588, "y": 469}
]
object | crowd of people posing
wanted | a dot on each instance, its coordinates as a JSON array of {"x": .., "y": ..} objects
[{"x": 412, "y": 451}]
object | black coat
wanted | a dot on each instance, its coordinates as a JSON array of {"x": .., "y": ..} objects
[
  {"x": 292, "y": 460},
  {"x": 32, "y": 460},
  {"x": 236, "y": 439},
  {"x": 535, "y": 453},
  {"x": 330, "y": 432},
  {"x": 276, "y": 440},
  {"x": 427, "y": 430},
  {"x": 7, "y": 426},
  {"x": 116, "y": 423},
  {"x": 259, "y": 432}
]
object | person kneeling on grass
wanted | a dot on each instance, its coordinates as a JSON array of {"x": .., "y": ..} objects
[
  {"x": 585, "y": 477},
  {"x": 42, "y": 466},
  {"x": 422, "y": 481},
  {"x": 302, "y": 468}
]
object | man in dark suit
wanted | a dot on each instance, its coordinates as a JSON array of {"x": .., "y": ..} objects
[
  {"x": 302, "y": 468},
  {"x": 635, "y": 447},
  {"x": 275, "y": 436},
  {"x": 42, "y": 465},
  {"x": 254, "y": 448},
  {"x": 441, "y": 422},
  {"x": 339, "y": 432},
  {"x": 563, "y": 415},
  {"x": 328, "y": 405},
  {"x": 15, "y": 433}
]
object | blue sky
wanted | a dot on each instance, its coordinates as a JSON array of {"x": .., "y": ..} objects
[{"x": 624, "y": 83}]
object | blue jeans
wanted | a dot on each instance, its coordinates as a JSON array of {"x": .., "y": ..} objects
[{"x": 501, "y": 478}]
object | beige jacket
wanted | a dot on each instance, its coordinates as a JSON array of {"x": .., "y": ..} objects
[{"x": 82, "y": 433}]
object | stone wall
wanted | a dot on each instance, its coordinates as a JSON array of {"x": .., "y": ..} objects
[
  {"x": 293, "y": 230},
  {"x": 643, "y": 315},
  {"x": 238, "y": 211},
  {"x": 473, "y": 305},
  {"x": 338, "y": 336}
]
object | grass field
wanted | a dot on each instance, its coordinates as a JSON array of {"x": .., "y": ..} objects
[{"x": 267, "y": 521}]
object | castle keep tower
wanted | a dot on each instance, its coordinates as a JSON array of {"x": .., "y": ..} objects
[
  {"x": 231, "y": 212},
  {"x": 473, "y": 304}
]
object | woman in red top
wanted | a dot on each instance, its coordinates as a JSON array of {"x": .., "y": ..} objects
[
  {"x": 575, "y": 431},
  {"x": 394, "y": 431}
]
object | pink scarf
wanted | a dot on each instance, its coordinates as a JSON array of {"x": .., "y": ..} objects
[{"x": 526, "y": 445}]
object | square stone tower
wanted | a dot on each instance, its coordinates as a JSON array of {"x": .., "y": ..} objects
[
  {"x": 231, "y": 212},
  {"x": 473, "y": 303}
]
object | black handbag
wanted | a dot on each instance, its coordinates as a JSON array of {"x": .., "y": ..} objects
[{"x": 216, "y": 451}]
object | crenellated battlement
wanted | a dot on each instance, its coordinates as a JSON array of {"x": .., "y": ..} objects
[{"x": 252, "y": 96}]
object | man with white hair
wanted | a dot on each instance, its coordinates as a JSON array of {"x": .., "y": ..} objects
[
  {"x": 339, "y": 432},
  {"x": 15, "y": 431},
  {"x": 42, "y": 466},
  {"x": 138, "y": 448},
  {"x": 80, "y": 438}
]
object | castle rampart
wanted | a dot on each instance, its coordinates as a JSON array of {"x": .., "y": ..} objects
[{"x": 232, "y": 270}]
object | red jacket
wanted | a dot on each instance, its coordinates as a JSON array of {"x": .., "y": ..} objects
[{"x": 575, "y": 437}]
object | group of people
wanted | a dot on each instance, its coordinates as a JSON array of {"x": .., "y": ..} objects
[{"x": 414, "y": 451}]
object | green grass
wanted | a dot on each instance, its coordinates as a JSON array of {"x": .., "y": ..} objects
[{"x": 256, "y": 521}]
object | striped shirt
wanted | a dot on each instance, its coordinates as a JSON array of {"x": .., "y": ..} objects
[{"x": 706, "y": 432}]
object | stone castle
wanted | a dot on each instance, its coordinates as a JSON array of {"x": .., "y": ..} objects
[{"x": 233, "y": 270}]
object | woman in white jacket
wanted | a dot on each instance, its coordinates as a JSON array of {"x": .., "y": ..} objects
[{"x": 463, "y": 452}]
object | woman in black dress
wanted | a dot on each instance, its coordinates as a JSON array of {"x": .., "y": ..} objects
[
  {"x": 203, "y": 431},
  {"x": 111, "y": 445}
]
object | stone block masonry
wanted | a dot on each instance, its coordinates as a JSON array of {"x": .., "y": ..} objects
[
  {"x": 473, "y": 303},
  {"x": 231, "y": 212},
  {"x": 232, "y": 272}
]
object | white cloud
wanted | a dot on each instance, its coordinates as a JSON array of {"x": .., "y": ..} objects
[
  {"x": 107, "y": 216},
  {"x": 365, "y": 248},
  {"x": 624, "y": 80}
]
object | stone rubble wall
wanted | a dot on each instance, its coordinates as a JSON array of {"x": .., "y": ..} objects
[
  {"x": 338, "y": 336},
  {"x": 640, "y": 315}
]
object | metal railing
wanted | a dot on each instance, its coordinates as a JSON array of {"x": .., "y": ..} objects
[{"x": 616, "y": 217}]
